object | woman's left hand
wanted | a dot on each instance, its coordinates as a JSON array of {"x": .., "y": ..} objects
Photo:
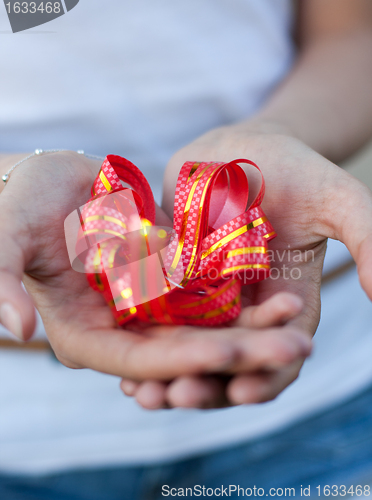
[{"x": 308, "y": 199}]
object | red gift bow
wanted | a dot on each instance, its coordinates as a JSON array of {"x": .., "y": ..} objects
[{"x": 197, "y": 278}]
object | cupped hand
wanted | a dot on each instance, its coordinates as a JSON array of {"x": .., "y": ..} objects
[
  {"x": 40, "y": 194},
  {"x": 308, "y": 199}
]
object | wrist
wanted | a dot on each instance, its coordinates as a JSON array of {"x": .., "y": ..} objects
[
  {"x": 6, "y": 163},
  {"x": 288, "y": 124}
]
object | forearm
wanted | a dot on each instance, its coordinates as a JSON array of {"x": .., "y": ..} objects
[{"x": 326, "y": 100}]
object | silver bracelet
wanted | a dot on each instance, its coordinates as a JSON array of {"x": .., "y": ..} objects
[{"x": 39, "y": 152}]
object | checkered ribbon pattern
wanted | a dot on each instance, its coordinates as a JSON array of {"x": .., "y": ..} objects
[{"x": 191, "y": 274}]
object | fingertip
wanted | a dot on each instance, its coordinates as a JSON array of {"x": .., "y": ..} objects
[
  {"x": 276, "y": 310},
  {"x": 17, "y": 314},
  {"x": 17, "y": 311},
  {"x": 29, "y": 322},
  {"x": 284, "y": 306},
  {"x": 291, "y": 301},
  {"x": 303, "y": 341},
  {"x": 129, "y": 387},
  {"x": 364, "y": 263},
  {"x": 251, "y": 389},
  {"x": 289, "y": 347},
  {"x": 240, "y": 391},
  {"x": 193, "y": 392},
  {"x": 151, "y": 395},
  {"x": 183, "y": 393}
]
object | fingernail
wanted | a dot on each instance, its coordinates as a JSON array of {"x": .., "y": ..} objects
[
  {"x": 11, "y": 319},
  {"x": 306, "y": 345},
  {"x": 297, "y": 302},
  {"x": 300, "y": 344}
]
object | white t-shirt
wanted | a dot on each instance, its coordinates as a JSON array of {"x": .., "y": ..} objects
[{"x": 142, "y": 79}]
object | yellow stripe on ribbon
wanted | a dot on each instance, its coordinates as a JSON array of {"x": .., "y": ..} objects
[
  {"x": 163, "y": 304},
  {"x": 97, "y": 268},
  {"x": 105, "y": 182},
  {"x": 108, "y": 231},
  {"x": 233, "y": 235},
  {"x": 107, "y": 218},
  {"x": 181, "y": 241},
  {"x": 223, "y": 241},
  {"x": 245, "y": 266},
  {"x": 245, "y": 251},
  {"x": 192, "y": 262},
  {"x": 218, "y": 312},
  {"x": 148, "y": 311},
  {"x": 97, "y": 259},
  {"x": 130, "y": 312},
  {"x": 193, "y": 170},
  {"x": 269, "y": 235},
  {"x": 111, "y": 257},
  {"x": 256, "y": 223}
]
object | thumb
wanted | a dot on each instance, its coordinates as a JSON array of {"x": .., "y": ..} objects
[
  {"x": 17, "y": 311},
  {"x": 364, "y": 263},
  {"x": 351, "y": 212}
]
